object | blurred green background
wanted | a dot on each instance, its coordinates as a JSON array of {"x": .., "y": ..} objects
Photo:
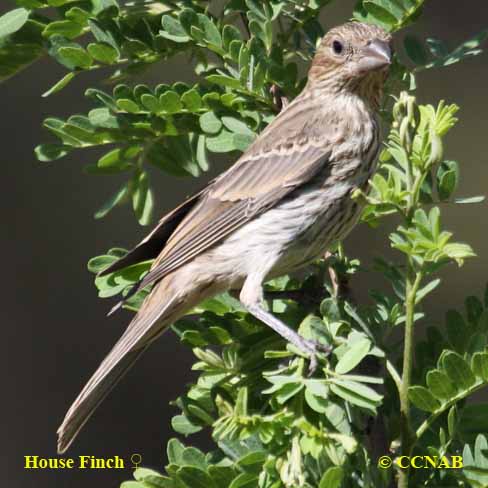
[{"x": 54, "y": 326}]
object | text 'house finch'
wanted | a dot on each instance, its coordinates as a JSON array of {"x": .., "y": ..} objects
[{"x": 279, "y": 207}]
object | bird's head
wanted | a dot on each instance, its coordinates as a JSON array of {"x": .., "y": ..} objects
[{"x": 354, "y": 56}]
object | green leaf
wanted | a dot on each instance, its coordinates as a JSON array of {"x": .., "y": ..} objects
[
  {"x": 223, "y": 143},
  {"x": 118, "y": 198},
  {"x": 100, "y": 96},
  {"x": 200, "y": 414},
  {"x": 151, "y": 103},
  {"x": 440, "y": 385},
  {"x": 477, "y": 199},
  {"x": 317, "y": 403},
  {"x": 318, "y": 387},
  {"x": 14, "y": 57},
  {"x": 245, "y": 480},
  {"x": 471, "y": 47},
  {"x": 173, "y": 29},
  {"x": 243, "y": 141},
  {"x": 152, "y": 478},
  {"x": 174, "y": 451},
  {"x": 99, "y": 263},
  {"x": 210, "y": 123},
  {"x": 447, "y": 184},
  {"x": 58, "y": 86},
  {"x": 182, "y": 425},
  {"x": 133, "y": 484},
  {"x": 241, "y": 402},
  {"x": 212, "y": 34},
  {"x": 234, "y": 49},
  {"x": 195, "y": 477},
  {"x": 452, "y": 421},
  {"x": 78, "y": 15},
  {"x": 170, "y": 102},
  {"x": 222, "y": 475},
  {"x": 458, "y": 251},
  {"x": 353, "y": 356},
  {"x": 104, "y": 53},
  {"x": 237, "y": 126},
  {"x": 252, "y": 459},
  {"x": 101, "y": 117},
  {"x": 58, "y": 127},
  {"x": 193, "y": 457},
  {"x": 65, "y": 28},
  {"x": 188, "y": 18},
  {"x": 75, "y": 57},
  {"x": 142, "y": 199},
  {"x": 224, "y": 80},
  {"x": 104, "y": 33},
  {"x": 288, "y": 391},
  {"x": 51, "y": 152},
  {"x": 424, "y": 291},
  {"x": 13, "y": 21},
  {"x": 381, "y": 11},
  {"x": 479, "y": 365},
  {"x": 201, "y": 153},
  {"x": 127, "y": 105},
  {"x": 422, "y": 398},
  {"x": 118, "y": 157},
  {"x": 230, "y": 33},
  {"x": 192, "y": 100},
  {"x": 447, "y": 179},
  {"x": 356, "y": 393},
  {"x": 332, "y": 478},
  {"x": 458, "y": 370},
  {"x": 476, "y": 462}
]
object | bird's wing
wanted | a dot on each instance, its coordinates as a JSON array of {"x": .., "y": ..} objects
[
  {"x": 285, "y": 156},
  {"x": 274, "y": 166},
  {"x": 151, "y": 246}
]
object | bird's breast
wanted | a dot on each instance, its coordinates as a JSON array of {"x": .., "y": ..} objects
[
  {"x": 302, "y": 226},
  {"x": 328, "y": 212}
]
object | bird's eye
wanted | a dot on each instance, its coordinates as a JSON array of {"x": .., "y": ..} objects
[{"x": 337, "y": 47}]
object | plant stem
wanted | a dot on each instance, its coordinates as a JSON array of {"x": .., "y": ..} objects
[
  {"x": 416, "y": 185},
  {"x": 413, "y": 279},
  {"x": 413, "y": 282}
]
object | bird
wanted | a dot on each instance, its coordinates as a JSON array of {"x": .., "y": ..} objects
[{"x": 279, "y": 207}]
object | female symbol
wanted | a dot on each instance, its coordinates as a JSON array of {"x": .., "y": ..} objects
[{"x": 136, "y": 459}]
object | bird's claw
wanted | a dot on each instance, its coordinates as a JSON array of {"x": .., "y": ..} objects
[
  {"x": 313, "y": 349},
  {"x": 312, "y": 367}
]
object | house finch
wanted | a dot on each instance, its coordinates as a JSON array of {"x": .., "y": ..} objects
[{"x": 279, "y": 207}]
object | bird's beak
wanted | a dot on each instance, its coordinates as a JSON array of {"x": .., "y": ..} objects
[{"x": 375, "y": 55}]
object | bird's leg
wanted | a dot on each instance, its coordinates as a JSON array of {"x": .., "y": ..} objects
[{"x": 251, "y": 297}]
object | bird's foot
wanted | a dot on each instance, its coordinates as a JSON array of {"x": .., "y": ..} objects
[{"x": 313, "y": 349}]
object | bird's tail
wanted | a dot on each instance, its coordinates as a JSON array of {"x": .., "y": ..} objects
[
  {"x": 162, "y": 307},
  {"x": 94, "y": 392}
]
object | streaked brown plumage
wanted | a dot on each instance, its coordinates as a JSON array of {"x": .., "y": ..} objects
[{"x": 276, "y": 209}]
